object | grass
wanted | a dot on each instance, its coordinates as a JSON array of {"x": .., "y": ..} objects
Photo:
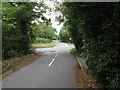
[
  {"x": 74, "y": 52},
  {"x": 71, "y": 44},
  {"x": 44, "y": 45}
]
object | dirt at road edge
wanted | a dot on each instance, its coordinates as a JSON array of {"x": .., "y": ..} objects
[
  {"x": 12, "y": 65},
  {"x": 84, "y": 80}
]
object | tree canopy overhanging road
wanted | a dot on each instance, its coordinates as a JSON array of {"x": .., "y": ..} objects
[{"x": 94, "y": 28}]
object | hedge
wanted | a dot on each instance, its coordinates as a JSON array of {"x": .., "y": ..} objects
[{"x": 95, "y": 28}]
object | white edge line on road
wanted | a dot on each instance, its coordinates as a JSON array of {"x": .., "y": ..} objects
[{"x": 51, "y": 62}]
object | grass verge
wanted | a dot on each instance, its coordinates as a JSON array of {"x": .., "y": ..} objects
[
  {"x": 44, "y": 45},
  {"x": 70, "y": 44},
  {"x": 12, "y": 65},
  {"x": 74, "y": 52}
]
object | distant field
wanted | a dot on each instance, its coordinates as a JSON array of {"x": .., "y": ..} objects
[
  {"x": 71, "y": 44},
  {"x": 44, "y": 45}
]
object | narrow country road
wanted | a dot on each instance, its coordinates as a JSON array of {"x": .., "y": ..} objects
[{"x": 55, "y": 69}]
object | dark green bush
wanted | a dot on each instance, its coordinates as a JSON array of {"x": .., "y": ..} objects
[
  {"x": 95, "y": 28},
  {"x": 65, "y": 35},
  {"x": 15, "y": 39}
]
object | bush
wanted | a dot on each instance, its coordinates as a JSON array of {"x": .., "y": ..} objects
[
  {"x": 41, "y": 40},
  {"x": 96, "y": 34},
  {"x": 15, "y": 40},
  {"x": 55, "y": 38},
  {"x": 65, "y": 35},
  {"x": 73, "y": 50}
]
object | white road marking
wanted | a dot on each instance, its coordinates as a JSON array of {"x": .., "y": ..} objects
[
  {"x": 51, "y": 62},
  {"x": 56, "y": 55}
]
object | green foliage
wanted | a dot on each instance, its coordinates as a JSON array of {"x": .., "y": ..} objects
[
  {"x": 74, "y": 52},
  {"x": 65, "y": 35},
  {"x": 55, "y": 37},
  {"x": 41, "y": 40},
  {"x": 43, "y": 30},
  {"x": 95, "y": 31},
  {"x": 16, "y": 22},
  {"x": 71, "y": 44}
]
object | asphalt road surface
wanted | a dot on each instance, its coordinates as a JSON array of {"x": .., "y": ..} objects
[{"x": 55, "y": 69}]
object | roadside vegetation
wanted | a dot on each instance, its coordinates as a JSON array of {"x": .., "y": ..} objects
[
  {"x": 65, "y": 35},
  {"x": 94, "y": 28},
  {"x": 44, "y": 34},
  {"x": 82, "y": 75},
  {"x": 16, "y": 30},
  {"x": 21, "y": 31},
  {"x": 74, "y": 52}
]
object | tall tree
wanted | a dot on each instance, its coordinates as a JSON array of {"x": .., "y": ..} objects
[
  {"x": 43, "y": 30},
  {"x": 65, "y": 35},
  {"x": 95, "y": 31},
  {"x": 16, "y": 19}
]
